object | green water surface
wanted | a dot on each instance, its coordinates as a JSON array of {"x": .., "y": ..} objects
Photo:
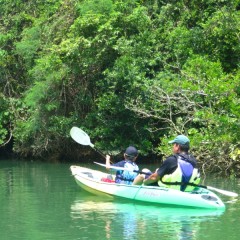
[{"x": 41, "y": 201}]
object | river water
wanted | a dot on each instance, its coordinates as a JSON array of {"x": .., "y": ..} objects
[{"x": 41, "y": 201}]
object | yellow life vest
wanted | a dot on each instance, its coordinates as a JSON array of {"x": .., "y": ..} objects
[{"x": 176, "y": 177}]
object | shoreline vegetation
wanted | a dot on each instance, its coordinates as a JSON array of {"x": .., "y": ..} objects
[{"x": 127, "y": 72}]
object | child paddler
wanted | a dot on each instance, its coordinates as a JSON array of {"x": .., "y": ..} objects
[{"x": 125, "y": 176}]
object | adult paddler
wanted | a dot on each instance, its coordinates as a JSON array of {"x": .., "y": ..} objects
[{"x": 177, "y": 171}]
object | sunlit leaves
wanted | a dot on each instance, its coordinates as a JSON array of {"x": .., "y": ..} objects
[
  {"x": 128, "y": 71},
  {"x": 88, "y": 7},
  {"x": 29, "y": 44}
]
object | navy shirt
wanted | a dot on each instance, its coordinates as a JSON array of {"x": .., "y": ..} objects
[
  {"x": 123, "y": 176},
  {"x": 120, "y": 164}
]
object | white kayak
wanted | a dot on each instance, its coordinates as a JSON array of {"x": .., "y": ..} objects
[{"x": 99, "y": 182}]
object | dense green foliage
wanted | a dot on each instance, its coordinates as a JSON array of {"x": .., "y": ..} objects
[{"x": 127, "y": 72}]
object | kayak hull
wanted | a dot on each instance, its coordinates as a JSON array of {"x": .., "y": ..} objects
[{"x": 91, "y": 180}]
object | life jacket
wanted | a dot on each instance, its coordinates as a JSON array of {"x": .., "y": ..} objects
[
  {"x": 127, "y": 177},
  {"x": 184, "y": 174}
]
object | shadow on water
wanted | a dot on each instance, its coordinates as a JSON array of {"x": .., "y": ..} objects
[
  {"x": 88, "y": 203},
  {"x": 124, "y": 220}
]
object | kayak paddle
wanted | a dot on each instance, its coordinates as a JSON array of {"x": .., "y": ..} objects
[
  {"x": 121, "y": 168},
  {"x": 79, "y": 136},
  {"x": 224, "y": 192}
]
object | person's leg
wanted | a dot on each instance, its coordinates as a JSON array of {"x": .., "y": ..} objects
[{"x": 140, "y": 177}]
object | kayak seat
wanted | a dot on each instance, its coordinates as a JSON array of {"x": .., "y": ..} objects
[{"x": 88, "y": 174}]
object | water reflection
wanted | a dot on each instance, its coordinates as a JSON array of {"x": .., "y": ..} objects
[{"x": 124, "y": 220}]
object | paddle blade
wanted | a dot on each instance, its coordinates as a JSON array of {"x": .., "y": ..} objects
[
  {"x": 224, "y": 192},
  {"x": 79, "y": 136}
]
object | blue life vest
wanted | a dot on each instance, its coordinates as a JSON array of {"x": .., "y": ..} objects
[
  {"x": 127, "y": 177},
  {"x": 187, "y": 171}
]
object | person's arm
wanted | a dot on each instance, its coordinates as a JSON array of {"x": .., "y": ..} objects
[
  {"x": 108, "y": 162},
  {"x": 151, "y": 179},
  {"x": 168, "y": 166}
]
